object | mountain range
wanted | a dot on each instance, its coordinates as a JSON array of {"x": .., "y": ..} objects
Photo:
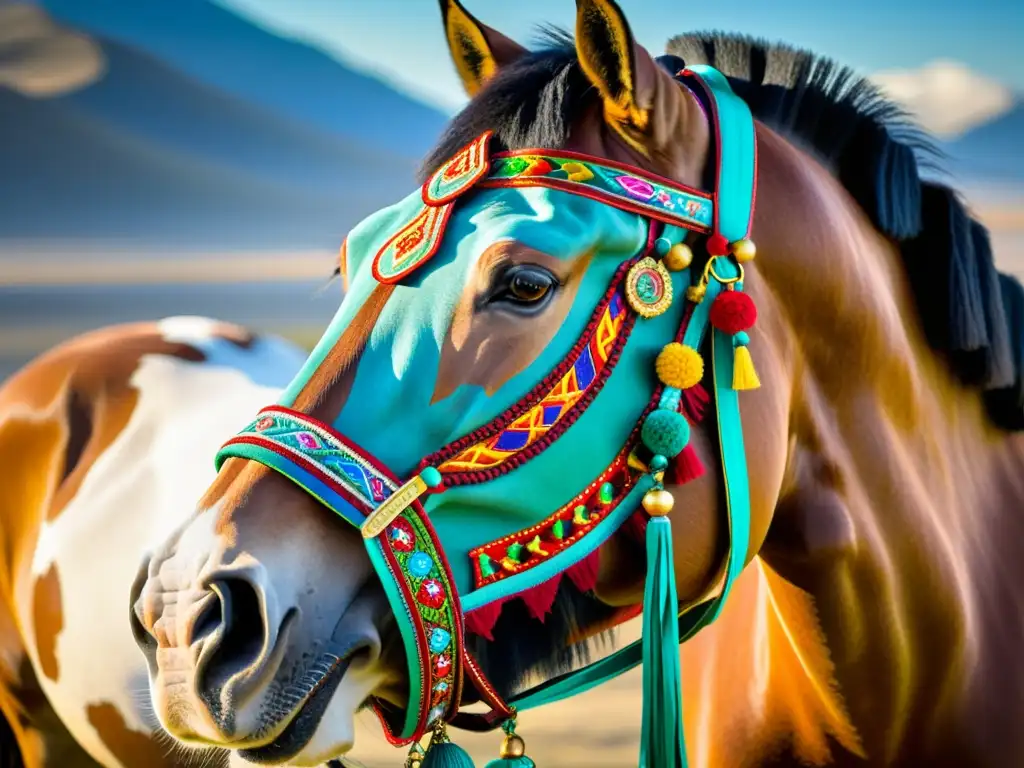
[
  {"x": 178, "y": 124},
  {"x": 117, "y": 128}
]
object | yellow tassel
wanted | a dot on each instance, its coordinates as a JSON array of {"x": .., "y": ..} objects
[{"x": 743, "y": 374}]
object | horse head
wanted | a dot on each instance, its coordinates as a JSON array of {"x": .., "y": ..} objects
[{"x": 537, "y": 354}]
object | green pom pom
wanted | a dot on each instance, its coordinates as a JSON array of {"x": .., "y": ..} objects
[
  {"x": 447, "y": 755},
  {"x": 431, "y": 477},
  {"x": 665, "y": 432},
  {"x": 511, "y": 762}
]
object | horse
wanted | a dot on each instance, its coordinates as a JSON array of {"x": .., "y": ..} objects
[
  {"x": 874, "y": 619},
  {"x": 106, "y": 440}
]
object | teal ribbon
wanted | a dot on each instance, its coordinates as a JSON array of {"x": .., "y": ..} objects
[
  {"x": 737, "y": 502},
  {"x": 661, "y": 732}
]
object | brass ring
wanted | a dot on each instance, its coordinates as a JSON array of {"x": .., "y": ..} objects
[{"x": 722, "y": 280}]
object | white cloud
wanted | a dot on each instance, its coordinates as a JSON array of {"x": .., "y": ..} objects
[
  {"x": 41, "y": 59},
  {"x": 945, "y": 96}
]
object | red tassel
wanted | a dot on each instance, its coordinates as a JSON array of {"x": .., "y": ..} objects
[
  {"x": 694, "y": 400},
  {"x": 635, "y": 527},
  {"x": 584, "y": 573},
  {"x": 685, "y": 467},
  {"x": 481, "y": 621},
  {"x": 538, "y": 600}
]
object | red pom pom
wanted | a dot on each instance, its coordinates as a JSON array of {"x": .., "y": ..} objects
[
  {"x": 718, "y": 245},
  {"x": 732, "y": 312}
]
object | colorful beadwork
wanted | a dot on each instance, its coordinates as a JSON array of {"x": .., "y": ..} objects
[
  {"x": 585, "y": 374},
  {"x": 558, "y": 531},
  {"x": 649, "y": 288},
  {"x": 634, "y": 190},
  {"x": 287, "y": 432},
  {"x": 429, "y": 593}
]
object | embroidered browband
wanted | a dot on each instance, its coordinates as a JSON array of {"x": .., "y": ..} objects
[{"x": 628, "y": 189}]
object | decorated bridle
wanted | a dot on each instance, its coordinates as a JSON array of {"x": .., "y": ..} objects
[{"x": 404, "y": 546}]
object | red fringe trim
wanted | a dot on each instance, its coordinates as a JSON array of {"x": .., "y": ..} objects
[
  {"x": 584, "y": 573},
  {"x": 538, "y": 600},
  {"x": 693, "y": 401},
  {"x": 482, "y": 620},
  {"x": 635, "y": 526},
  {"x": 686, "y": 467}
]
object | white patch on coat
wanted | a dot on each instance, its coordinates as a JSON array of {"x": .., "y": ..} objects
[{"x": 136, "y": 494}]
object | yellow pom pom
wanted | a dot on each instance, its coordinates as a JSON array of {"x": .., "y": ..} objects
[{"x": 679, "y": 366}]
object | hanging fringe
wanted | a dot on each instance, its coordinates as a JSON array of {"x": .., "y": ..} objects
[
  {"x": 693, "y": 401},
  {"x": 743, "y": 374},
  {"x": 661, "y": 734},
  {"x": 539, "y": 599},
  {"x": 685, "y": 467},
  {"x": 481, "y": 621},
  {"x": 635, "y": 526},
  {"x": 584, "y": 573}
]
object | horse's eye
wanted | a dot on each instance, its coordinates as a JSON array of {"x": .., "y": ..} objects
[
  {"x": 529, "y": 285},
  {"x": 526, "y": 286}
]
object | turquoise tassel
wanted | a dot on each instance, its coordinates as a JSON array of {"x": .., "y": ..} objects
[
  {"x": 442, "y": 753},
  {"x": 661, "y": 734},
  {"x": 511, "y": 762}
]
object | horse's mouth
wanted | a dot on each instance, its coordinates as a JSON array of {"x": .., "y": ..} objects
[{"x": 312, "y": 695}]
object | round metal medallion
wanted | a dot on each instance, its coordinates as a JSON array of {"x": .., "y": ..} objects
[{"x": 649, "y": 287}]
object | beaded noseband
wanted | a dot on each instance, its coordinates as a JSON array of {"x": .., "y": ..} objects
[{"x": 401, "y": 540}]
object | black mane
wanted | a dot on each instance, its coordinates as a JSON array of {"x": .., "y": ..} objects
[{"x": 972, "y": 315}]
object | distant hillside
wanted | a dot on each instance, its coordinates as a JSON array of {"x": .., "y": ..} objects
[
  {"x": 993, "y": 150},
  {"x": 113, "y": 143},
  {"x": 65, "y": 176},
  {"x": 219, "y": 48},
  {"x": 144, "y": 98}
]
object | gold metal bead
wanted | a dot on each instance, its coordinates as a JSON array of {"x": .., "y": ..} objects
[
  {"x": 679, "y": 257},
  {"x": 744, "y": 250},
  {"x": 416, "y": 756},
  {"x": 512, "y": 746},
  {"x": 658, "y": 503}
]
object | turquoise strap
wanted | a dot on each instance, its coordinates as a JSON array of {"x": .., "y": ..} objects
[
  {"x": 737, "y": 502},
  {"x": 737, "y": 147}
]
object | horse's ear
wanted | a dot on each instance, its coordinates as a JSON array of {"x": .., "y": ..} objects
[
  {"x": 622, "y": 71},
  {"x": 477, "y": 50}
]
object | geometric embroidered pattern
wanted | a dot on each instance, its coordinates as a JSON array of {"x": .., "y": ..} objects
[
  {"x": 528, "y": 428},
  {"x": 528, "y": 548},
  {"x": 603, "y": 180},
  {"x": 304, "y": 438}
]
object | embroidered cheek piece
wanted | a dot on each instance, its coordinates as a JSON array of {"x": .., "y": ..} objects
[{"x": 402, "y": 543}]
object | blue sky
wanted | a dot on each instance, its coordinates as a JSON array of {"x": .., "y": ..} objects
[{"x": 402, "y": 39}]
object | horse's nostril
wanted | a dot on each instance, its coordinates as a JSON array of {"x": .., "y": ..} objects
[{"x": 238, "y": 614}]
